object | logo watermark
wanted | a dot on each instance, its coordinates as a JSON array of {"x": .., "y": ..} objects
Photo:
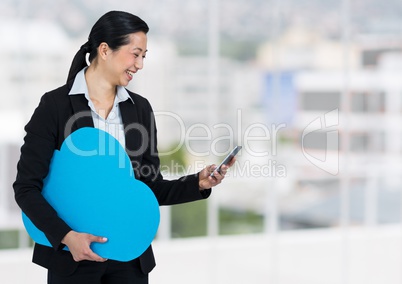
[
  {"x": 328, "y": 123},
  {"x": 248, "y": 136}
]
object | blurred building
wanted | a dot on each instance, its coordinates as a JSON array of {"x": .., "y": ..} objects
[
  {"x": 347, "y": 107},
  {"x": 35, "y": 59}
]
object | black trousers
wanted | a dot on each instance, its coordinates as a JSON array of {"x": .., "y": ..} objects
[{"x": 109, "y": 272}]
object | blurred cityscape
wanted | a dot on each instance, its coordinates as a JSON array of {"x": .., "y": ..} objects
[{"x": 311, "y": 89}]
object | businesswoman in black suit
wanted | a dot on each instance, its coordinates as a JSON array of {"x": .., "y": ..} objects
[{"x": 117, "y": 46}]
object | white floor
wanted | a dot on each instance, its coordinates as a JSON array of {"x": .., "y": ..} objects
[{"x": 368, "y": 256}]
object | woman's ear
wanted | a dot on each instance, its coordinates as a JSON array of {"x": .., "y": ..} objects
[{"x": 103, "y": 50}]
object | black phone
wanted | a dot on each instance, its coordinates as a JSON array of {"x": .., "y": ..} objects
[{"x": 227, "y": 159}]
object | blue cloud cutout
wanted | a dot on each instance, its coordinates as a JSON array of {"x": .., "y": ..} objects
[{"x": 92, "y": 187}]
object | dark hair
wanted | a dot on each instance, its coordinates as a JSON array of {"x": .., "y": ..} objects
[{"x": 112, "y": 28}]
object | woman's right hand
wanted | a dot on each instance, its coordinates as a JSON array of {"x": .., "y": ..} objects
[{"x": 79, "y": 246}]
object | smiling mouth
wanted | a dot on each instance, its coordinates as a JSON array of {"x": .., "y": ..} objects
[{"x": 129, "y": 72}]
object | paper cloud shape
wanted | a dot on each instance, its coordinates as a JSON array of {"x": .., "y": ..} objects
[{"x": 92, "y": 187}]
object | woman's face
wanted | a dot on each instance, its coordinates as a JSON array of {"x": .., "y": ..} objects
[{"x": 124, "y": 62}]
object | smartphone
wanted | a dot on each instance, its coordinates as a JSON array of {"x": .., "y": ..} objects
[{"x": 227, "y": 159}]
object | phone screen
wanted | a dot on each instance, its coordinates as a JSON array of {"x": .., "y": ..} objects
[{"x": 227, "y": 159}]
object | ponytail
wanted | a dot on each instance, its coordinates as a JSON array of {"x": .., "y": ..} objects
[
  {"x": 79, "y": 61},
  {"x": 112, "y": 28}
]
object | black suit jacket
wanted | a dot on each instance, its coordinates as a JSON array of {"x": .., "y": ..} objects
[{"x": 57, "y": 116}]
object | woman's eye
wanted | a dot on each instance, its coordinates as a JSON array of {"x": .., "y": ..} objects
[{"x": 137, "y": 55}]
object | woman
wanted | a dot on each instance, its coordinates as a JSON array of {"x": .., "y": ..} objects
[{"x": 94, "y": 96}]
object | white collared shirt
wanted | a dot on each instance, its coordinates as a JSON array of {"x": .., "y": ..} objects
[{"x": 113, "y": 124}]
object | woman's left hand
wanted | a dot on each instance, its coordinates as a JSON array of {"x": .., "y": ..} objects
[{"x": 207, "y": 181}]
